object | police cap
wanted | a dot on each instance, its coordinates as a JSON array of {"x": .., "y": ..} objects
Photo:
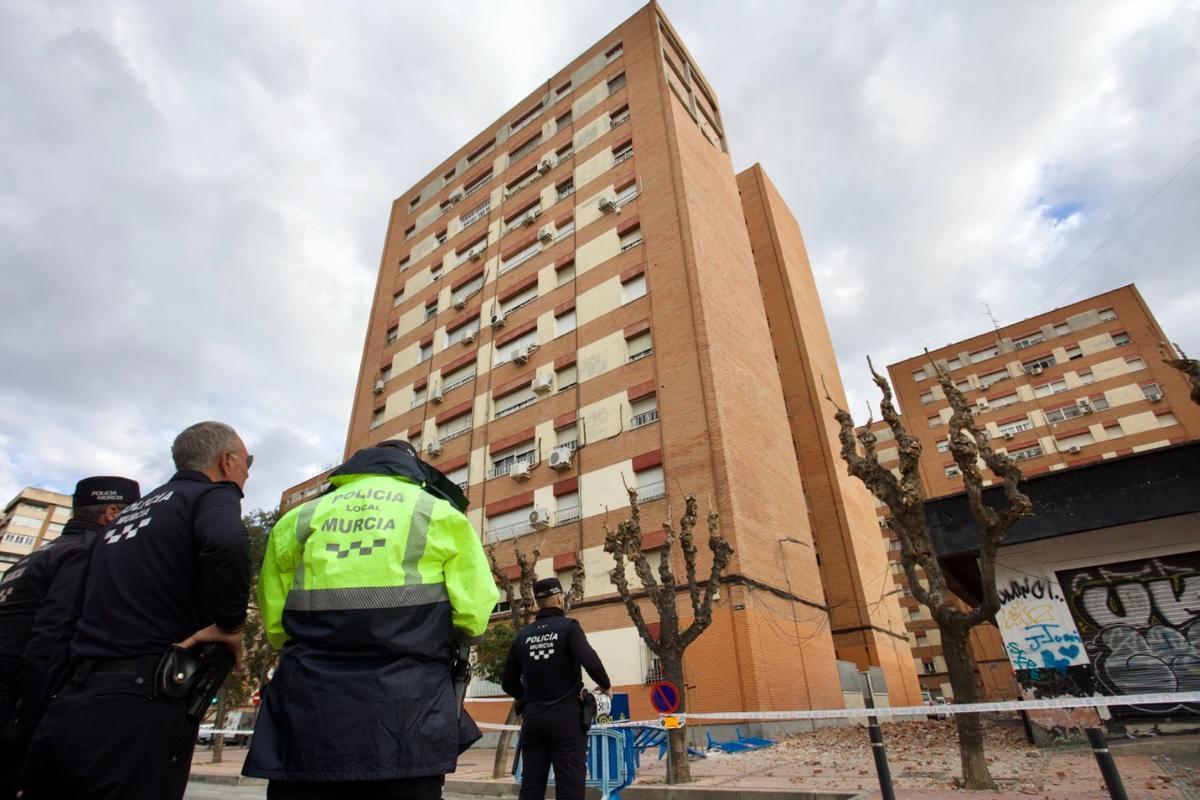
[
  {"x": 547, "y": 587},
  {"x": 102, "y": 490}
]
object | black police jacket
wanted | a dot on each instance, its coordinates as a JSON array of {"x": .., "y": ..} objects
[
  {"x": 543, "y": 666},
  {"x": 174, "y": 562},
  {"x": 38, "y": 599}
]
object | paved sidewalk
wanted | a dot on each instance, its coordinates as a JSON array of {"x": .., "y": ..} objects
[{"x": 837, "y": 762}]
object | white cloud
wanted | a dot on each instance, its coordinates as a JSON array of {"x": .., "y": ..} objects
[{"x": 195, "y": 196}]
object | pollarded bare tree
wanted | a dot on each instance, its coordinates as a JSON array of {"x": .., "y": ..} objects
[
  {"x": 1190, "y": 367},
  {"x": 905, "y": 500},
  {"x": 625, "y": 546},
  {"x": 521, "y": 611}
]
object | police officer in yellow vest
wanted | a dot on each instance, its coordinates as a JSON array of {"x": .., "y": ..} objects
[{"x": 368, "y": 589}]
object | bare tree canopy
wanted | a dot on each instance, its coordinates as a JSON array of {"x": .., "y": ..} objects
[{"x": 1190, "y": 367}]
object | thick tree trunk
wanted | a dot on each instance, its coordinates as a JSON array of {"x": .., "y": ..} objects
[
  {"x": 970, "y": 726},
  {"x": 218, "y": 723},
  {"x": 679, "y": 769},
  {"x": 500, "y": 767}
]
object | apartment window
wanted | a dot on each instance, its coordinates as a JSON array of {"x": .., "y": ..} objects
[
  {"x": 1121, "y": 339},
  {"x": 943, "y": 446},
  {"x": 1036, "y": 366},
  {"x": 1151, "y": 391},
  {"x": 393, "y": 333},
  {"x": 419, "y": 397},
  {"x": 385, "y": 374},
  {"x": 525, "y": 148},
  {"x": 520, "y": 258},
  {"x": 1071, "y": 411},
  {"x": 564, "y": 322},
  {"x": 567, "y": 437},
  {"x": 1026, "y": 453},
  {"x": 468, "y": 289},
  {"x": 471, "y": 159},
  {"x": 404, "y": 263},
  {"x": 929, "y": 667},
  {"x": 505, "y": 351},
  {"x": 631, "y": 238},
  {"x": 519, "y": 300},
  {"x": 615, "y": 53},
  {"x": 460, "y": 476},
  {"x": 627, "y": 193},
  {"x": 1076, "y": 441},
  {"x": 1134, "y": 364},
  {"x": 963, "y": 386},
  {"x": 1107, "y": 315},
  {"x": 615, "y": 84},
  {"x": 508, "y": 525},
  {"x": 935, "y": 422},
  {"x": 566, "y": 378},
  {"x": 919, "y": 375},
  {"x": 952, "y": 472},
  {"x": 459, "y": 377},
  {"x": 525, "y": 216},
  {"x": 1062, "y": 329},
  {"x": 563, "y": 122},
  {"x": 565, "y": 153},
  {"x": 377, "y": 418},
  {"x": 478, "y": 247},
  {"x": 639, "y": 346},
  {"x": 1028, "y": 341},
  {"x": 633, "y": 288},
  {"x": 566, "y": 188},
  {"x": 431, "y": 311},
  {"x": 927, "y": 398},
  {"x": 416, "y": 201},
  {"x": 618, "y": 117},
  {"x": 1074, "y": 352},
  {"x": 528, "y": 117},
  {"x": 409, "y": 231},
  {"x": 477, "y": 213},
  {"x": 560, "y": 91},
  {"x": 1015, "y": 427},
  {"x": 454, "y": 428},
  {"x": 984, "y": 354},
  {"x": 397, "y": 298},
  {"x": 643, "y": 412},
  {"x": 566, "y": 230},
  {"x": 623, "y": 153},
  {"x": 516, "y": 401},
  {"x": 464, "y": 331},
  {"x": 440, "y": 237},
  {"x": 523, "y": 180},
  {"x": 19, "y": 538},
  {"x": 953, "y": 364},
  {"x": 477, "y": 184},
  {"x": 426, "y": 352},
  {"x": 568, "y": 508},
  {"x": 1006, "y": 400},
  {"x": 1047, "y": 389},
  {"x": 650, "y": 484},
  {"x": 565, "y": 275},
  {"x": 1088, "y": 377},
  {"x": 993, "y": 377}
]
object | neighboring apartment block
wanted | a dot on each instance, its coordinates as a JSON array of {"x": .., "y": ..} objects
[
  {"x": 572, "y": 304},
  {"x": 32, "y": 518},
  {"x": 1070, "y": 387}
]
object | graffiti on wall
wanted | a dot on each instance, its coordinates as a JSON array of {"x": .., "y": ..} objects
[
  {"x": 1139, "y": 622},
  {"x": 1035, "y": 622}
]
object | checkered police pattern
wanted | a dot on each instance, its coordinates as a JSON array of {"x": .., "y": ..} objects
[{"x": 362, "y": 549}]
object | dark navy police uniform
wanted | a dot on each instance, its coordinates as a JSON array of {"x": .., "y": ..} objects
[
  {"x": 543, "y": 674},
  {"x": 171, "y": 564}
]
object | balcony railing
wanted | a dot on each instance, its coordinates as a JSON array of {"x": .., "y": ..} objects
[
  {"x": 454, "y": 434},
  {"x": 651, "y": 491},
  {"x": 506, "y": 466},
  {"x": 418, "y": 400},
  {"x": 624, "y": 156},
  {"x": 640, "y": 355},
  {"x": 643, "y": 419},
  {"x": 504, "y": 412},
  {"x": 508, "y": 531},
  {"x": 457, "y": 382},
  {"x": 565, "y": 515},
  {"x": 476, "y": 213},
  {"x": 630, "y": 246}
]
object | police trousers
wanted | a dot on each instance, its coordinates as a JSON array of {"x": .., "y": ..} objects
[
  {"x": 397, "y": 789},
  {"x": 554, "y": 736},
  {"x": 106, "y": 737}
]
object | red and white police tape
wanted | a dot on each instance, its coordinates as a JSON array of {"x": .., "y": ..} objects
[{"x": 1161, "y": 698}]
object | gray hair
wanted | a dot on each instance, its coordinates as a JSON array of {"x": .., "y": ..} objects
[
  {"x": 93, "y": 513},
  {"x": 200, "y": 445}
]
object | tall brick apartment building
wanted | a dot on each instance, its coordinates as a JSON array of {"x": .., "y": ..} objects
[
  {"x": 31, "y": 519},
  {"x": 573, "y": 303},
  {"x": 1064, "y": 389}
]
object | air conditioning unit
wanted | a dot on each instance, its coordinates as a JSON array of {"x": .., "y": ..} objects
[
  {"x": 475, "y": 253},
  {"x": 546, "y": 164},
  {"x": 436, "y": 397},
  {"x": 1009, "y": 436},
  {"x": 982, "y": 403},
  {"x": 379, "y": 386},
  {"x": 547, "y": 233},
  {"x": 460, "y": 303},
  {"x": 1074, "y": 449},
  {"x": 983, "y": 387},
  {"x": 1035, "y": 370},
  {"x": 519, "y": 355},
  {"x": 531, "y": 216},
  {"x": 608, "y": 205},
  {"x": 1084, "y": 405},
  {"x": 882, "y": 522},
  {"x": 520, "y": 471},
  {"x": 560, "y": 458},
  {"x": 454, "y": 197},
  {"x": 543, "y": 384},
  {"x": 470, "y": 337},
  {"x": 540, "y": 517},
  {"x": 498, "y": 319},
  {"x": 1154, "y": 397},
  {"x": 434, "y": 448}
]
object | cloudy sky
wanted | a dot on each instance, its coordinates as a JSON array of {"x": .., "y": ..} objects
[{"x": 193, "y": 195}]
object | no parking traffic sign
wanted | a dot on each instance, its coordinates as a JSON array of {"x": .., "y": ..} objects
[{"x": 664, "y": 696}]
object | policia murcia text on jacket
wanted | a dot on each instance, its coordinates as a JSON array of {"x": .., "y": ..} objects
[
  {"x": 543, "y": 675},
  {"x": 367, "y": 589},
  {"x": 172, "y": 570},
  {"x": 38, "y": 597}
]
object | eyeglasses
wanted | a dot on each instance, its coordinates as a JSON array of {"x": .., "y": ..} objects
[{"x": 249, "y": 461}]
